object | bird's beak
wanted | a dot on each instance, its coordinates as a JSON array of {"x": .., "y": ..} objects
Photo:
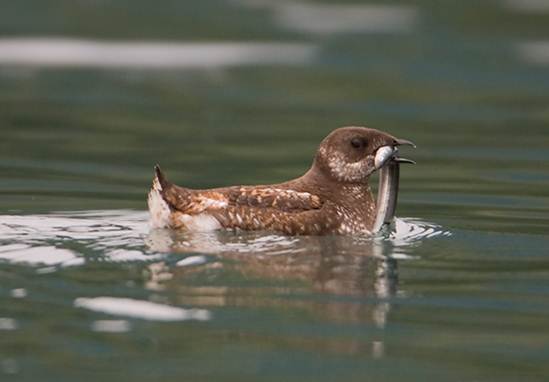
[
  {"x": 405, "y": 142},
  {"x": 384, "y": 154}
]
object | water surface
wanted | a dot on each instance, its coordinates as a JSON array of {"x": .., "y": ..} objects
[{"x": 242, "y": 92}]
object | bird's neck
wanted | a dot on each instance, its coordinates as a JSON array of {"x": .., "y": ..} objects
[
  {"x": 337, "y": 190},
  {"x": 355, "y": 199}
]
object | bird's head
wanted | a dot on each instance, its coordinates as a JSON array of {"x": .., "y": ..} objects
[{"x": 352, "y": 154}]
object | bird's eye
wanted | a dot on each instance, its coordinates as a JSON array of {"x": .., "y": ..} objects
[{"x": 357, "y": 143}]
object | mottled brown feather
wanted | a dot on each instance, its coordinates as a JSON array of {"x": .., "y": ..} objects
[{"x": 273, "y": 197}]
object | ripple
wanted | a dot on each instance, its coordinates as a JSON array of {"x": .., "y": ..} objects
[
  {"x": 409, "y": 230},
  {"x": 121, "y": 236},
  {"x": 45, "y": 239},
  {"x": 41, "y": 255}
]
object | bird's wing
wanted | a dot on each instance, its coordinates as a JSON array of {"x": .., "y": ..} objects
[
  {"x": 279, "y": 209},
  {"x": 256, "y": 208},
  {"x": 281, "y": 199},
  {"x": 293, "y": 222},
  {"x": 193, "y": 202}
]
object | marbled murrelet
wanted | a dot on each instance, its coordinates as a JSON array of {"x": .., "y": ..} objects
[{"x": 333, "y": 197}]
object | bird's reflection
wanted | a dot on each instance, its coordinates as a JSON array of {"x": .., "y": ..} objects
[
  {"x": 334, "y": 277},
  {"x": 330, "y": 279}
]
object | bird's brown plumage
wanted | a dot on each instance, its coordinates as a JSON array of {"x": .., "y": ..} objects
[{"x": 333, "y": 197}]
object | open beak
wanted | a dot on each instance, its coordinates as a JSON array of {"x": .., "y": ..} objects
[
  {"x": 387, "y": 153},
  {"x": 405, "y": 142}
]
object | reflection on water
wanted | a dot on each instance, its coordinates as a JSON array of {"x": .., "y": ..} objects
[
  {"x": 534, "y": 6},
  {"x": 325, "y": 19},
  {"x": 7, "y": 323},
  {"x": 124, "y": 236},
  {"x": 337, "y": 265},
  {"x": 145, "y": 310},
  {"x": 309, "y": 265},
  {"x": 82, "y": 128},
  {"x": 50, "y": 239},
  {"x": 66, "y": 53},
  {"x": 535, "y": 52},
  {"x": 196, "y": 269},
  {"x": 45, "y": 255},
  {"x": 111, "y": 326}
]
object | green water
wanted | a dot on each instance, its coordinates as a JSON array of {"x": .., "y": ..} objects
[{"x": 459, "y": 293}]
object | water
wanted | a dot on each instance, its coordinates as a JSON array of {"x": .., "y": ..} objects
[{"x": 241, "y": 92}]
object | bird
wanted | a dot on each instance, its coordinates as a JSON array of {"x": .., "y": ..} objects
[{"x": 332, "y": 198}]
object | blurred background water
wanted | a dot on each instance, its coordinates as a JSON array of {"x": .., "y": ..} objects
[{"x": 94, "y": 93}]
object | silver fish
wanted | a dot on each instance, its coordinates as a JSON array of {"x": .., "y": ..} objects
[{"x": 389, "y": 176}]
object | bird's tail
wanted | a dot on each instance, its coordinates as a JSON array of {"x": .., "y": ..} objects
[
  {"x": 160, "y": 182},
  {"x": 158, "y": 207}
]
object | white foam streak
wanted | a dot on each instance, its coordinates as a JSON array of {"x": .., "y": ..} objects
[
  {"x": 528, "y": 6},
  {"x": 409, "y": 230},
  {"x": 66, "y": 52},
  {"x": 125, "y": 255},
  {"x": 145, "y": 310},
  {"x": 120, "y": 236},
  {"x": 534, "y": 52},
  {"x": 329, "y": 19},
  {"x": 191, "y": 260},
  {"x": 111, "y": 326},
  {"x": 41, "y": 255},
  {"x": 40, "y": 239},
  {"x": 7, "y": 323},
  {"x": 18, "y": 293}
]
